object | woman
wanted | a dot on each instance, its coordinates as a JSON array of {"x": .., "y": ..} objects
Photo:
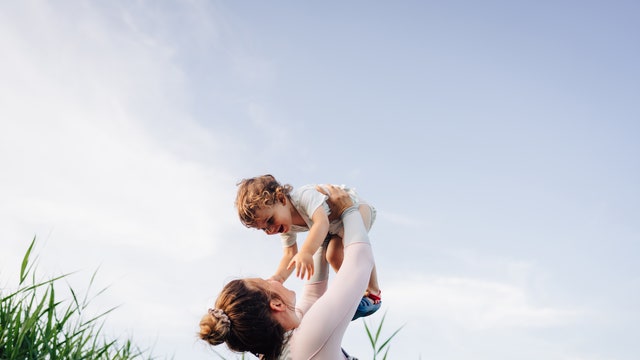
[{"x": 260, "y": 316}]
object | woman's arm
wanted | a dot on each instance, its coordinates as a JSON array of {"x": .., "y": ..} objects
[{"x": 323, "y": 326}]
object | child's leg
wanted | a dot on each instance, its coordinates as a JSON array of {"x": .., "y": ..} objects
[
  {"x": 335, "y": 252},
  {"x": 373, "y": 289}
]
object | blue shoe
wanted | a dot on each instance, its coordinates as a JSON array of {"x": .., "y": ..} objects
[{"x": 365, "y": 308}]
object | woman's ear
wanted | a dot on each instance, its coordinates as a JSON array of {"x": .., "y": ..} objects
[{"x": 277, "y": 305}]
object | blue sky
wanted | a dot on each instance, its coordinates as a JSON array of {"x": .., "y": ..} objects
[{"x": 498, "y": 141}]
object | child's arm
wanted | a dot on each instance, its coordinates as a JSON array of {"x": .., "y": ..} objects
[
  {"x": 283, "y": 273},
  {"x": 303, "y": 261}
]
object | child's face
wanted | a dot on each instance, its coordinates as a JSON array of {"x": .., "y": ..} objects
[{"x": 274, "y": 219}]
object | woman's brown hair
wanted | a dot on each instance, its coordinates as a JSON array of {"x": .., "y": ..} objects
[{"x": 250, "y": 326}]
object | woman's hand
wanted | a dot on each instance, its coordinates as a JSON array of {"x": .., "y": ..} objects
[
  {"x": 338, "y": 201},
  {"x": 277, "y": 278}
]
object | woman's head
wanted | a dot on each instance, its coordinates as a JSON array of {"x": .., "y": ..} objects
[
  {"x": 243, "y": 319},
  {"x": 258, "y": 193}
]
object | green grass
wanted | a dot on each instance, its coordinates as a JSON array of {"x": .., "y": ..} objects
[
  {"x": 378, "y": 345},
  {"x": 35, "y": 324}
]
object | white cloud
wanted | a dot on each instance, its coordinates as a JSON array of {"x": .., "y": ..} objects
[
  {"x": 79, "y": 143},
  {"x": 474, "y": 304},
  {"x": 102, "y": 161},
  {"x": 403, "y": 220}
]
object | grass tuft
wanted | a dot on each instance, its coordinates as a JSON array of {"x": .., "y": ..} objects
[
  {"x": 378, "y": 345},
  {"x": 35, "y": 324}
]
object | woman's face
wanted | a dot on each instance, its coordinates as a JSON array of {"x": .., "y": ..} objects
[
  {"x": 285, "y": 302},
  {"x": 289, "y": 296}
]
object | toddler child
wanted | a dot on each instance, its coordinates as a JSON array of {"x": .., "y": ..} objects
[{"x": 264, "y": 204}]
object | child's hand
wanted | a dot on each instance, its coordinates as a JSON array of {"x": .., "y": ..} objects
[{"x": 303, "y": 263}]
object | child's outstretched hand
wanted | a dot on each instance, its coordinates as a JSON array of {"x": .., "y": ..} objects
[{"x": 303, "y": 263}]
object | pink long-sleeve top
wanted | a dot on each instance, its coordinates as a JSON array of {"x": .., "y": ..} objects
[{"x": 326, "y": 311}]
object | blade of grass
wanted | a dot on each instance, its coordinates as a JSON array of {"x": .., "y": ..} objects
[
  {"x": 25, "y": 261},
  {"x": 375, "y": 339},
  {"x": 389, "y": 338}
]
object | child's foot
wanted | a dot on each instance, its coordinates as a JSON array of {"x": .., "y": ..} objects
[
  {"x": 366, "y": 307},
  {"x": 376, "y": 296}
]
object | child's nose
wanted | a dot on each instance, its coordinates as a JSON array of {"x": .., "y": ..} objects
[{"x": 270, "y": 230}]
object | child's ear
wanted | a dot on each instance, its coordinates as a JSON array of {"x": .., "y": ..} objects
[{"x": 282, "y": 198}]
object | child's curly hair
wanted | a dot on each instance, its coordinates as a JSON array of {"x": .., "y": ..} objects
[{"x": 256, "y": 193}]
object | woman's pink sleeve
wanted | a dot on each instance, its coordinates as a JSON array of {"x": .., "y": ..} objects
[{"x": 323, "y": 326}]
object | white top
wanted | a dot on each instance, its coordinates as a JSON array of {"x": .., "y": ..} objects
[{"x": 306, "y": 199}]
